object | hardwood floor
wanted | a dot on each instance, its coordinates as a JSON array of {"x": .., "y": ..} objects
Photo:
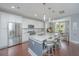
[
  {"x": 66, "y": 49},
  {"x": 18, "y": 50}
]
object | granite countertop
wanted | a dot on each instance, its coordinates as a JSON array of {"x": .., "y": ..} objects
[{"x": 41, "y": 38}]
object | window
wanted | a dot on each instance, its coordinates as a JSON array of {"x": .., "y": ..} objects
[{"x": 60, "y": 27}]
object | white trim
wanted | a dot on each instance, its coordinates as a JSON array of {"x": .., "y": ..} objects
[
  {"x": 62, "y": 19},
  {"x": 31, "y": 52},
  {"x": 76, "y": 42}
]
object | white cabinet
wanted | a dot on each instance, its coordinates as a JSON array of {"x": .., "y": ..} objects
[
  {"x": 3, "y": 31},
  {"x": 25, "y": 35}
]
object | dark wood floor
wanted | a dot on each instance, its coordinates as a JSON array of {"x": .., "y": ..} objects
[
  {"x": 18, "y": 50},
  {"x": 66, "y": 49}
]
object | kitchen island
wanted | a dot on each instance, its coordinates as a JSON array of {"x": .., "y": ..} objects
[{"x": 36, "y": 44}]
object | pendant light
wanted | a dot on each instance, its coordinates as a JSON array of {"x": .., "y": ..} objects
[
  {"x": 49, "y": 19},
  {"x": 44, "y": 18},
  {"x": 44, "y": 15}
]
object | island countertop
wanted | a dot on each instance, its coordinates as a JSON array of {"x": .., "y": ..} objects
[{"x": 40, "y": 38}]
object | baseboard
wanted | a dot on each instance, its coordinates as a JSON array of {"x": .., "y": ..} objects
[
  {"x": 13, "y": 45},
  {"x": 76, "y": 42},
  {"x": 31, "y": 52},
  {"x": 1, "y": 48}
]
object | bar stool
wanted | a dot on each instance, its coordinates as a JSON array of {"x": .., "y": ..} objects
[{"x": 50, "y": 47}]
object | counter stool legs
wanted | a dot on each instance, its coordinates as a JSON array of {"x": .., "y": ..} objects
[{"x": 49, "y": 51}]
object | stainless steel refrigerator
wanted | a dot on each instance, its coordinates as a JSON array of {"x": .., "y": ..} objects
[{"x": 14, "y": 33}]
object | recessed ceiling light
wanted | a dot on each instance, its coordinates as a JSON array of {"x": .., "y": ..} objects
[
  {"x": 35, "y": 15},
  {"x": 12, "y": 6}
]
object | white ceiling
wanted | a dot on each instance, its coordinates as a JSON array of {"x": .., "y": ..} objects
[{"x": 30, "y": 9}]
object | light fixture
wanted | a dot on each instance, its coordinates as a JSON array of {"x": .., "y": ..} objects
[
  {"x": 49, "y": 14},
  {"x": 44, "y": 16},
  {"x": 12, "y": 6},
  {"x": 17, "y": 7},
  {"x": 35, "y": 15}
]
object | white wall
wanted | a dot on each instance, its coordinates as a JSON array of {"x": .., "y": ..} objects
[
  {"x": 37, "y": 24},
  {"x": 75, "y": 28},
  {"x": 5, "y": 18}
]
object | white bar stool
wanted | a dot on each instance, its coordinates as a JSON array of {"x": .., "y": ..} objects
[{"x": 49, "y": 45}]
